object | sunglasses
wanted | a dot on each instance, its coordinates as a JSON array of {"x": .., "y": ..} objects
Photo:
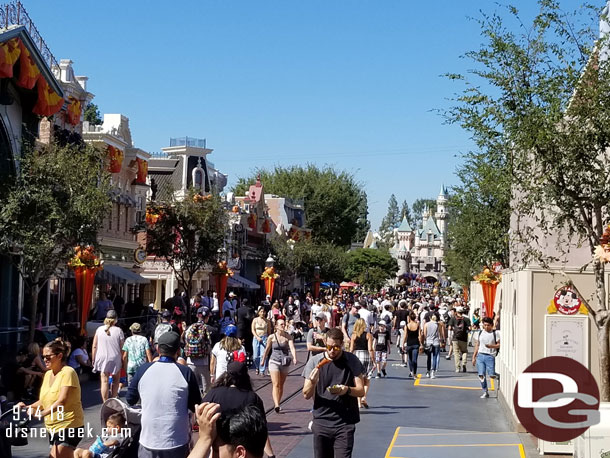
[
  {"x": 48, "y": 357},
  {"x": 333, "y": 347}
]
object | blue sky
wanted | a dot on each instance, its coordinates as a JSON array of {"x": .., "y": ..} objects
[{"x": 352, "y": 84}]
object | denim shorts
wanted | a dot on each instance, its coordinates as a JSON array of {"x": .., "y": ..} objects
[{"x": 486, "y": 364}]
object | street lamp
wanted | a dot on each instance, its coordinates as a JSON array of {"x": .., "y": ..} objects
[{"x": 270, "y": 261}]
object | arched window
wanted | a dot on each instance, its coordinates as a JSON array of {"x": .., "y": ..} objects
[{"x": 199, "y": 177}]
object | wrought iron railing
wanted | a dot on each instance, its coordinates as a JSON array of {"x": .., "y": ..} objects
[{"x": 15, "y": 14}]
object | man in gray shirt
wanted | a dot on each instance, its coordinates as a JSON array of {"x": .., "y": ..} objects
[{"x": 316, "y": 337}]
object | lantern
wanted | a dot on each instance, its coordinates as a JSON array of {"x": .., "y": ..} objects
[
  {"x": 252, "y": 221},
  {"x": 266, "y": 226}
]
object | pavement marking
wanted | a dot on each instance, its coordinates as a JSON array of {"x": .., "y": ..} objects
[
  {"x": 521, "y": 451},
  {"x": 455, "y": 445},
  {"x": 455, "y": 434},
  {"x": 417, "y": 383},
  {"x": 387, "y": 453}
]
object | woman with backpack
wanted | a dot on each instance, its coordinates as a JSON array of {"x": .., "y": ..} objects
[
  {"x": 198, "y": 347},
  {"x": 227, "y": 350}
]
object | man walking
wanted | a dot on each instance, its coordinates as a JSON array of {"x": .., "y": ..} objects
[
  {"x": 460, "y": 325},
  {"x": 334, "y": 379},
  {"x": 485, "y": 351},
  {"x": 316, "y": 337},
  {"x": 167, "y": 391}
]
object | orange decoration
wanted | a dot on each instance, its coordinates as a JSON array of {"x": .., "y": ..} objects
[
  {"x": 28, "y": 70},
  {"x": 142, "y": 171},
  {"x": 9, "y": 54},
  {"x": 115, "y": 156},
  {"x": 235, "y": 208},
  {"x": 49, "y": 102},
  {"x": 252, "y": 221},
  {"x": 74, "y": 112},
  {"x": 266, "y": 226}
]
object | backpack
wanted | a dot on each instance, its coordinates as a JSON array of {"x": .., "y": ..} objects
[
  {"x": 460, "y": 331},
  {"x": 197, "y": 342},
  {"x": 161, "y": 329},
  {"x": 495, "y": 340}
]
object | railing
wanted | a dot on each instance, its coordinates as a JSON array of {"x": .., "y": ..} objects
[
  {"x": 188, "y": 141},
  {"x": 15, "y": 14}
]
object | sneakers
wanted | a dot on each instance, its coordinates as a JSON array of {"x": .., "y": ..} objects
[
  {"x": 404, "y": 364},
  {"x": 385, "y": 374},
  {"x": 428, "y": 374},
  {"x": 457, "y": 370},
  {"x": 433, "y": 374},
  {"x": 410, "y": 375},
  {"x": 485, "y": 395},
  {"x": 448, "y": 357},
  {"x": 378, "y": 375},
  {"x": 463, "y": 368}
]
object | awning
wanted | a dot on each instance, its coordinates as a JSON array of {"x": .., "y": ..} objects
[
  {"x": 114, "y": 273},
  {"x": 237, "y": 281}
]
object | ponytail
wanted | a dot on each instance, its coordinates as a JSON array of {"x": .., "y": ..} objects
[
  {"x": 109, "y": 322},
  {"x": 58, "y": 346}
]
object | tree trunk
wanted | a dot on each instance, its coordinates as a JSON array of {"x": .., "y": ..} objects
[
  {"x": 34, "y": 290},
  {"x": 603, "y": 337},
  {"x": 187, "y": 289},
  {"x": 602, "y": 326}
]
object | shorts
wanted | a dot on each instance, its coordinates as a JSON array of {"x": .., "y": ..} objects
[
  {"x": 486, "y": 364},
  {"x": 381, "y": 356},
  {"x": 275, "y": 366},
  {"x": 365, "y": 359},
  {"x": 68, "y": 437}
]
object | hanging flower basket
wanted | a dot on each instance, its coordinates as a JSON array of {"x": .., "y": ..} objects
[
  {"x": 85, "y": 264},
  {"x": 489, "y": 282}
]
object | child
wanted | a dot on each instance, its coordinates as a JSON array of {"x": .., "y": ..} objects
[
  {"x": 102, "y": 447},
  {"x": 382, "y": 344}
]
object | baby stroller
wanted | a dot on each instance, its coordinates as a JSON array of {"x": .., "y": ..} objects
[
  {"x": 128, "y": 448},
  {"x": 13, "y": 428}
]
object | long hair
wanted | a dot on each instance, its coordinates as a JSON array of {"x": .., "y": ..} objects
[
  {"x": 359, "y": 327},
  {"x": 109, "y": 322},
  {"x": 230, "y": 343},
  {"x": 242, "y": 382}
]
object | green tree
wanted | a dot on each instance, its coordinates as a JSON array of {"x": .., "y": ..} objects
[
  {"x": 58, "y": 200},
  {"x": 363, "y": 225},
  {"x": 405, "y": 212},
  {"x": 335, "y": 203},
  {"x": 186, "y": 234},
  {"x": 92, "y": 115},
  {"x": 480, "y": 213},
  {"x": 540, "y": 96},
  {"x": 390, "y": 220},
  {"x": 418, "y": 208},
  {"x": 371, "y": 268}
]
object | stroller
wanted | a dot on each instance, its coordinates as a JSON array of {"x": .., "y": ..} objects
[
  {"x": 13, "y": 428},
  {"x": 128, "y": 448}
]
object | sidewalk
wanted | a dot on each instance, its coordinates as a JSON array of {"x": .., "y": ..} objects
[{"x": 426, "y": 418}]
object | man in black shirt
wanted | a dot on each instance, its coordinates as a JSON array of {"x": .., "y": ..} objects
[
  {"x": 460, "y": 325},
  {"x": 245, "y": 315},
  {"x": 335, "y": 387}
]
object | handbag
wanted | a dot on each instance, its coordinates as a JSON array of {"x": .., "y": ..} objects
[{"x": 286, "y": 360}]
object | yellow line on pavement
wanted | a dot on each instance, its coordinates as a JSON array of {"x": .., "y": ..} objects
[
  {"x": 521, "y": 451},
  {"x": 417, "y": 381},
  {"x": 458, "y": 445},
  {"x": 388, "y": 452},
  {"x": 492, "y": 383},
  {"x": 465, "y": 433},
  {"x": 452, "y": 386}
]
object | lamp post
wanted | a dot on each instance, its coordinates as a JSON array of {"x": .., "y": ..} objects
[
  {"x": 269, "y": 276},
  {"x": 270, "y": 261},
  {"x": 316, "y": 282}
]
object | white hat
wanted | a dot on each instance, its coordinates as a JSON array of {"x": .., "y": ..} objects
[
  {"x": 459, "y": 309},
  {"x": 403, "y": 323},
  {"x": 231, "y": 294}
]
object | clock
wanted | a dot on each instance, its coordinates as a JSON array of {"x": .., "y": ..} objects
[{"x": 139, "y": 255}]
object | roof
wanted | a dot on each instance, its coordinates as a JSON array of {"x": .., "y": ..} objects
[
  {"x": 404, "y": 226},
  {"x": 443, "y": 191},
  {"x": 430, "y": 227},
  {"x": 256, "y": 191}
]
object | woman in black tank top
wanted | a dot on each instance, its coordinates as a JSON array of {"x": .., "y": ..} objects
[
  {"x": 361, "y": 345},
  {"x": 412, "y": 343}
]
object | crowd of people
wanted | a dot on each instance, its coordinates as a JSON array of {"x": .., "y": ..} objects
[{"x": 206, "y": 366}]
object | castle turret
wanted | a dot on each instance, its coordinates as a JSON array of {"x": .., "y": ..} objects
[{"x": 441, "y": 211}]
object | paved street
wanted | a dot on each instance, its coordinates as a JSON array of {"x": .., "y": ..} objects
[{"x": 424, "y": 418}]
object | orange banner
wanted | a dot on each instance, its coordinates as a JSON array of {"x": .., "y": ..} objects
[
  {"x": 9, "y": 54},
  {"x": 142, "y": 171},
  {"x": 49, "y": 102},
  {"x": 74, "y": 112},
  {"x": 115, "y": 156},
  {"x": 28, "y": 71},
  {"x": 489, "y": 296},
  {"x": 269, "y": 286}
]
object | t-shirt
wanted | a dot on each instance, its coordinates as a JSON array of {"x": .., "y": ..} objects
[
  {"x": 136, "y": 347},
  {"x": 222, "y": 359},
  {"x": 401, "y": 315},
  {"x": 167, "y": 391},
  {"x": 317, "y": 338},
  {"x": 488, "y": 338},
  {"x": 349, "y": 320},
  {"x": 231, "y": 398},
  {"x": 72, "y": 415},
  {"x": 382, "y": 340},
  {"x": 315, "y": 309},
  {"x": 102, "y": 309},
  {"x": 331, "y": 410},
  {"x": 73, "y": 362},
  {"x": 368, "y": 318},
  {"x": 460, "y": 328}
]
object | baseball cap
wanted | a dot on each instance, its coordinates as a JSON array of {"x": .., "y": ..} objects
[
  {"x": 231, "y": 294},
  {"x": 135, "y": 327},
  {"x": 169, "y": 342},
  {"x": 459, "y": 309},
  {"x": 231, "y": 331},
  {"x": 166, "y": 313},
  {"x": 111, "y": 314},
  {"x": 403, "y": 323},
  {"x": 382, "y": 323},
  {"x": 203, "y": 311},
  {"x": 321, "y": 316}
]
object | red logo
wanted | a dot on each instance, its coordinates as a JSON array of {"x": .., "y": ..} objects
[
  {"x": 556, "y": 399},
  {"x": 567, "y": 301}
]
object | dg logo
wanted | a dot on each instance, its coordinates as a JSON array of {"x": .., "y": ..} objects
[{"x": 557, "y": 399}]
